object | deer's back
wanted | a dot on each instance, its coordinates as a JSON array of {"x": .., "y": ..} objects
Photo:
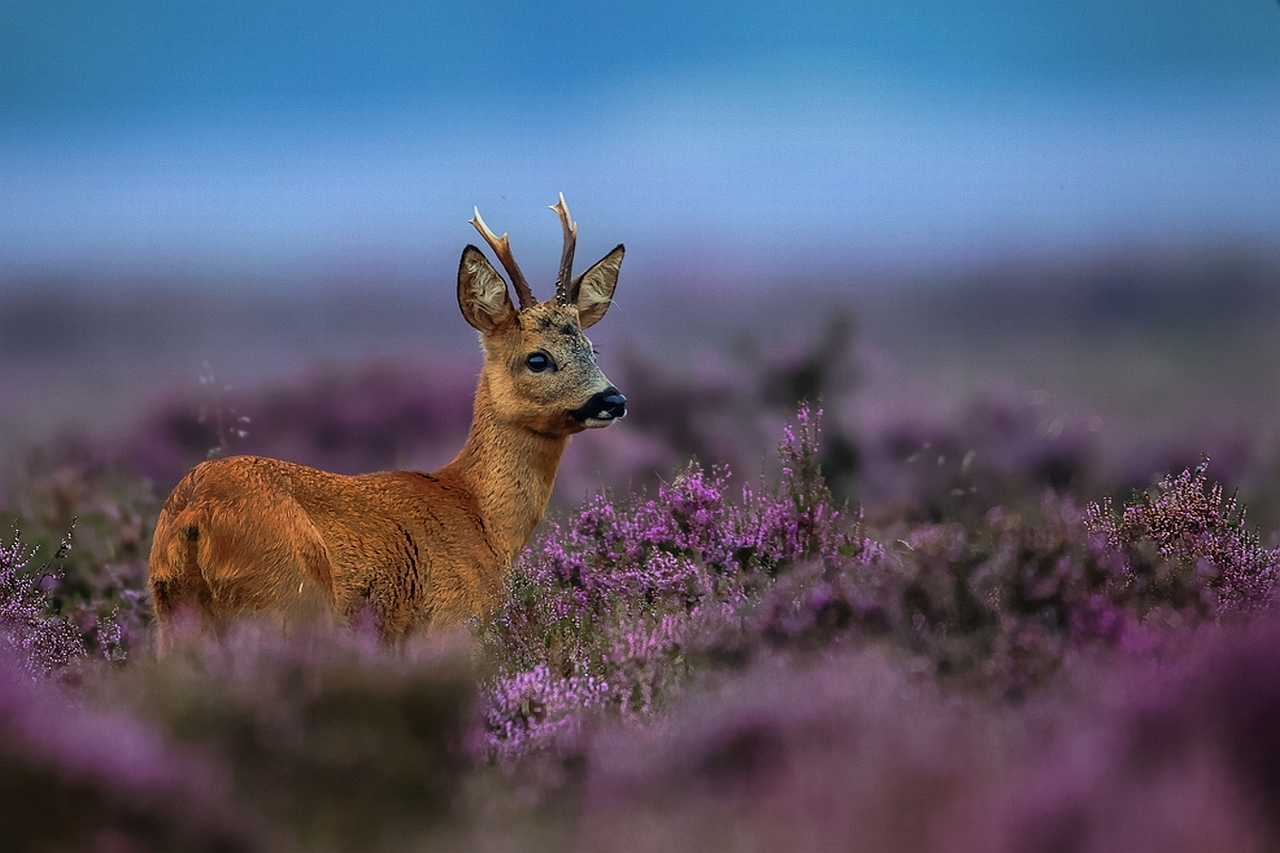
[{"x": 255, "y": 534}]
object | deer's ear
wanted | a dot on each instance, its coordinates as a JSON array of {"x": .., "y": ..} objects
[
  {"x": 482, "y": 293},
  {"x": 592, "y": 291}
]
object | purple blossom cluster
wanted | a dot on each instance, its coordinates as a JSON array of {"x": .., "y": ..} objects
[
  {"x": 1189, "y": 535},
  {"x": 616, "y": 612},
  {"x": 610, "y": 610},
  {"x": 535, "y": 706},
  {"x": 40, "y": 642},
  {"x": 100, "y": 586},
  {"x": 1001, "y": 604}
]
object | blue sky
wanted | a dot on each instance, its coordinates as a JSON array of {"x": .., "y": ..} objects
[{"x": 284, "y": 141}]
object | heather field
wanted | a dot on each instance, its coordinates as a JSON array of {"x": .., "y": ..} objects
[{"x": 983, "y": 562}]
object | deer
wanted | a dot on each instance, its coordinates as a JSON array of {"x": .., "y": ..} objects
[{"x": 252, "y": 536}]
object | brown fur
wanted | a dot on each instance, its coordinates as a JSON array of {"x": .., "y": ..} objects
[{"x": 255, "y": 536}]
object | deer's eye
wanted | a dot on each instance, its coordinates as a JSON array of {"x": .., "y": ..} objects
[{"x": 537, "y": 362}]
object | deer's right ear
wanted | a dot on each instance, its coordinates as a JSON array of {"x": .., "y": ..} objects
[
  {"x": 482, "y": 293},
  {"x": 592, "y": 291}
]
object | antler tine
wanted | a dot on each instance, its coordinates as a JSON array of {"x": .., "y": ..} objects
[
  {"x": 563, "y": 279},
  {"x": 502, "y": 248}
]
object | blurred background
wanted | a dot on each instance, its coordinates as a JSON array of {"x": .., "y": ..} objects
[{"x": 900, "y": 208}]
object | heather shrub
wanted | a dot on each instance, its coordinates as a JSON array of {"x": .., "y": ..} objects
[
  {"x": 729, "y": 657},
  {"x": 991, "y": 608},
  {"x": 1175, "y": 755},
  {"x": 999, "y": 605},
  {"x": 840, "y": 751},
  {"x": 609, "y": 611},
  {"x": 1187, "y": 543},
  {"x": 707, "y": 652},
  {"x": 851, "y": 750},
  {"x": 100, "y": 587},
  {"x": 332, "y": 741},
  {"x": 79, "y": 778},
  {"x": 32, "y": 638},
  {"x": 617, "y": 611}
]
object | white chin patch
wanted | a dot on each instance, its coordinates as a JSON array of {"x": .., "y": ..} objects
[{"x": 597, "y": 423}]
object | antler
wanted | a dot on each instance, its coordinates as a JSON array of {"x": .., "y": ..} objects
[
  {"x": 502, "y": 248},
  {"x": 563, "y": 287}
]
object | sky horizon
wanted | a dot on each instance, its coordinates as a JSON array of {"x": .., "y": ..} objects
[{"x": 282, "y": 141}]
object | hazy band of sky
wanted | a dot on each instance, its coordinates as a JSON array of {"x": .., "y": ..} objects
[{"x": 260, "y": 138}]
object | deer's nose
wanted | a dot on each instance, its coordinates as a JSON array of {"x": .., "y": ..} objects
[
  {"x": 613, "y": 403},
  {"x": 607, "y": 405}
]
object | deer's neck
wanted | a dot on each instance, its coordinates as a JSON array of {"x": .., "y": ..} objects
[{"x": 510, "y": 470}]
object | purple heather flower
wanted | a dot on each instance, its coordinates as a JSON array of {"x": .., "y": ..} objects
[
  {"x": 622, "y": 593},
  {"x": 1201, "y": 537},
  {"x": 42, "y": 642}
]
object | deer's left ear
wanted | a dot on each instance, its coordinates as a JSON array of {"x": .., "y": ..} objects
[
  {"x": 592, "y": 291},
  {"x": 482, "y": 294}
]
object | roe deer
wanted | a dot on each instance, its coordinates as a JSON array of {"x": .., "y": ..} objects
[{"x": 249, "y": 535}]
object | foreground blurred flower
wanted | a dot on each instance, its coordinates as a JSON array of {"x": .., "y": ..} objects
[
  {"x": 331, "y": 739},
  {"x": 76, "y": 778}
]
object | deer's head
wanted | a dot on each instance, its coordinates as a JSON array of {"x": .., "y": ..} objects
[{"x": 540, "y": 369}]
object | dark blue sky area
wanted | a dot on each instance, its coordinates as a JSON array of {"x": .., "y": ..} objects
[{"x": 100, "y": 60}]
